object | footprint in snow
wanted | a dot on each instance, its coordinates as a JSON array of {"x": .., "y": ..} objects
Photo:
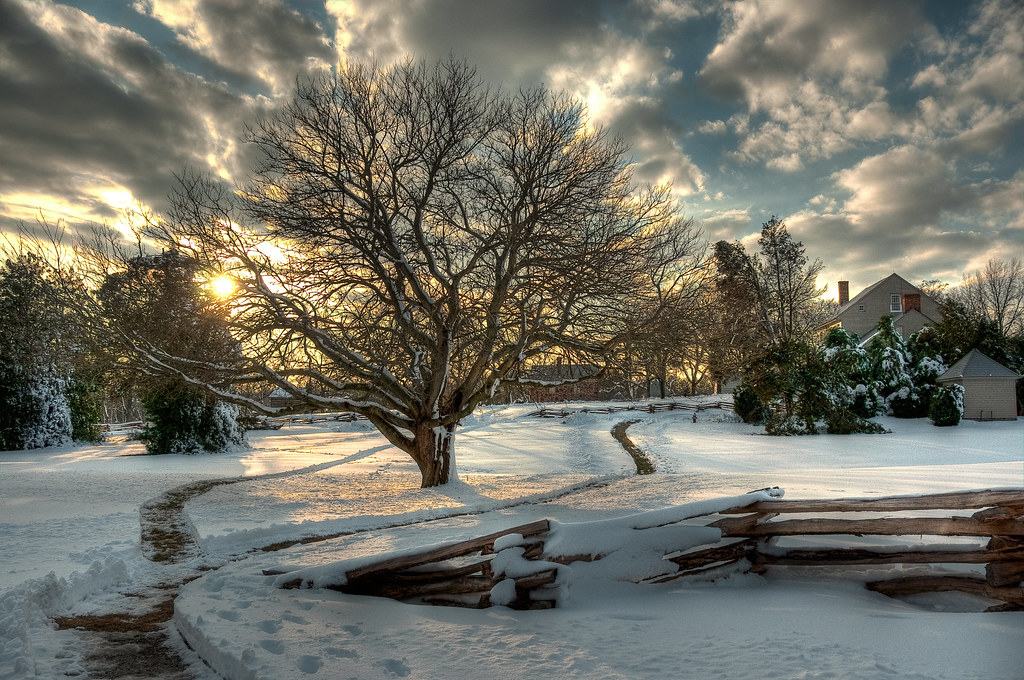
[
  {"x": 269, "y": 627},
  {"x": 310, "y": 664},
  {"x": 396, "y": 667},
  {"x": 273, "y": 646}
]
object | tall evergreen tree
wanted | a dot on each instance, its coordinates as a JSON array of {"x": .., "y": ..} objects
[
  {"x": 786, "y": 285},
  {"x": 34, "y": 371}
]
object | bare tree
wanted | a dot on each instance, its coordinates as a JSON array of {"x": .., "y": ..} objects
[
  {"x": 995, "y": 293},
  {"x": 667, "y": 324},
  {"x": 410, "y": 238}
]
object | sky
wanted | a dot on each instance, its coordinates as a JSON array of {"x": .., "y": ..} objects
[{"x": 887, "y": 134}]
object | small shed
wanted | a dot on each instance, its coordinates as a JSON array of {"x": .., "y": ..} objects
[{"x": 989, "y": 387}]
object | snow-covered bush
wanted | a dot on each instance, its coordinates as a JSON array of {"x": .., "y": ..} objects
[
  {"x": 867, "y": 401},
  {"x": 51, "y": 425},
  {"x": 909, "y": 401},
  {"x": 947, "y": 405},
  {"x": 844, "y": 421},
  {"x": 814, "y": 386},
  {"x": 37, "y": 352},
  {"x": 33, "y": 409},
  {"x": 185, "y": 422},
  {"x": 904, "y": 371}
]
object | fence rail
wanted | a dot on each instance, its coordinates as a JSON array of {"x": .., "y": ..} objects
[
  {"x": 999, "y": 516},
  {"x": 564, "y": 412},
  {"x": 466, "y": 573}
]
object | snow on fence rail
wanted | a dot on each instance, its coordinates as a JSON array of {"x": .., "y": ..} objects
[
  {"x": 277, "y": 422},
  {"x": 551, "y": 412},
  {"x": 529, "y": 566}
]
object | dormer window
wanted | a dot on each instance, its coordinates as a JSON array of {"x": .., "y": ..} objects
[{"x": 895, "y": 304}]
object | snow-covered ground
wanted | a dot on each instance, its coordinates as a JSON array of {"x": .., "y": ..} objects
[{"x": 69, "y": 544}]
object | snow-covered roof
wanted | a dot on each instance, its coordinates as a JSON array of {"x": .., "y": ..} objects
[{"x": 976, "y": 365}]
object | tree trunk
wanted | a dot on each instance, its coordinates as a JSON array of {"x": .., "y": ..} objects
[{"x": 434, "y": 453}]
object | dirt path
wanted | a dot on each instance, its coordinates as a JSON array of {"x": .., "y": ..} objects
[
  {"x": 644, "y": 465},
  {"x": 167, "y": 535},
  {"x": 134, "y": 645}
]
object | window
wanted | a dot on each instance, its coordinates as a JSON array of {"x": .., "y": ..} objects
[
  {"x": 895, "y": 305},
  {"x": 860, "y": 308}
]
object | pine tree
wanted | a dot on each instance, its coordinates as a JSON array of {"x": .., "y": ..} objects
[{"x": 34, "y": 368}]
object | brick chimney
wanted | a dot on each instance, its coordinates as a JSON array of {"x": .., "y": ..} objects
[{"x": 844, "y": 292}]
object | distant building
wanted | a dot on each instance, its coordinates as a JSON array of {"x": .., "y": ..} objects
[
  {"x": 563, "y": 382},
  {"x": 910, "y": 309},
  {"x": 279, "y": 398},
  {"x": 989, "y": 387}
]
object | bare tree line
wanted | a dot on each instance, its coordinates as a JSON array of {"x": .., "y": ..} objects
[{"x": 995, "y": 293}]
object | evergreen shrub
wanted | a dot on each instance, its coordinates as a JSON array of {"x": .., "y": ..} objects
[
  {"x": 85, "y": 399},
  {"x": 843, "y": 421},
  {"x": 947, "y": 405},
  {"x": 785, "y": 426},
  {"x": 186, "y": 422},
  {"x": 749, "y": 406}
]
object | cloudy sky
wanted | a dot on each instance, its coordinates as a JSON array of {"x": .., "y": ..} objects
[{"x": 889, "y": 135}]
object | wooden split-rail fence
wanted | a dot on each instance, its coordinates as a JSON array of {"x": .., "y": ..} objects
[
  {"x": 277, "y": 422},
  {"x": 461, "y": 573},
  {"x": 657, "y": 407},
  {"x": 997, "y": 516}
]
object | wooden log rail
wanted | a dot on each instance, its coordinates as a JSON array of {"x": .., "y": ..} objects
[
  {"x": 658, "y": 407},
  {"x": 998, "y": 515},
  {"x": 457, "y": 574}
]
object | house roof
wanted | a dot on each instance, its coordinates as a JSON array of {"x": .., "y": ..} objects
[
  {"x": 867, "y": 291},
  {"x": 977, "y": 365}
]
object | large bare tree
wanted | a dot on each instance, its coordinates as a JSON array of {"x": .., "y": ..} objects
[{"x": 409, "y": 238}]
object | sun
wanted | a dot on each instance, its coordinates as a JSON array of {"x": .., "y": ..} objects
[{"x": 222, "y": 286}]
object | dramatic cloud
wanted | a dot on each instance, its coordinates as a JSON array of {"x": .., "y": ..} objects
[
  {"x": 594, "y": 50},
  {"x": 95, "y": 117},
  {"x": 811, "y": 73},
  {"x": 888, "y": 134},
  {"x": 256, "y": 41}
]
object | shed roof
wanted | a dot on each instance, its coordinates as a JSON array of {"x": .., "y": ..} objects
[{"x": 977, "y": 365}]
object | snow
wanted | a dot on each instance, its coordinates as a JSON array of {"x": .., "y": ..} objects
[{"x": 69, "y": 518}]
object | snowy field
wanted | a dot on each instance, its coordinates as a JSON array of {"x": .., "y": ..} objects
[{"x": 70, "y": 544}]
